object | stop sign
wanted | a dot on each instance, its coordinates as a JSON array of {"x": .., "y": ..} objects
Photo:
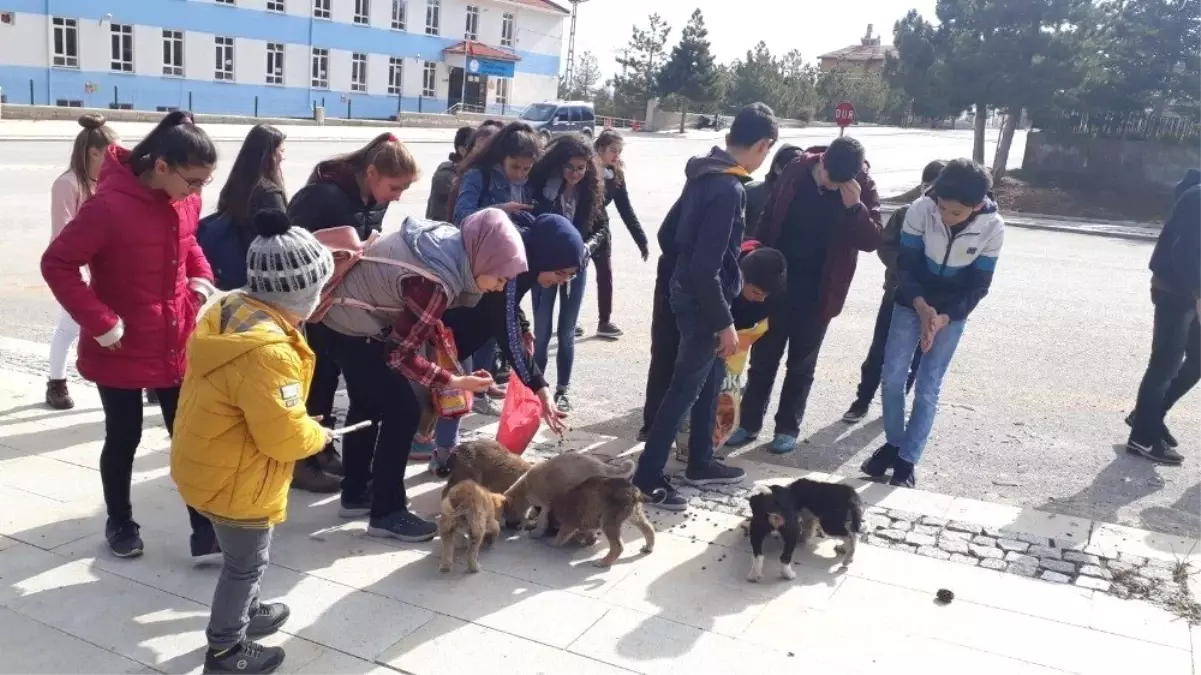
[{"x": 844, "y": 114}]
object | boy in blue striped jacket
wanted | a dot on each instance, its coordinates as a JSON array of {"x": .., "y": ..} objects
[{"x": 949, "y": 247}]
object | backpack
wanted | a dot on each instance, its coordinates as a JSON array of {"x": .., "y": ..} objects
[
  {"x": 348, "y": 250},
  {"x": 222, "y": 245}
]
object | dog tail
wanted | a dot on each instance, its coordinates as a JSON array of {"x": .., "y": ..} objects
[
  {"x": 623, "y": 470},
  {"x": 761, "y": 489}
]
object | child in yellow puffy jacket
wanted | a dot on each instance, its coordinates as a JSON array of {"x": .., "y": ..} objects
[{"x": 241, "y": 425}]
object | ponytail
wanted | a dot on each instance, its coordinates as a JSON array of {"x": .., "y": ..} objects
[
  {"x": 385, "y": 152},
  {"x": 95, "y": 135},
  {"x": 177, "y": 141}
]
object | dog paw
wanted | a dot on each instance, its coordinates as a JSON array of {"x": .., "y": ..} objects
[
  {"x": 787, "y": 572},
  {"x": 602, "y": 563},
  {"x": 444, "y": 569},
  {"x": 840, "y": 549},
  {"x": 473, "y": 568},
  {"x": 648, "y": 549},
  {"x": 754, "y": 577}
]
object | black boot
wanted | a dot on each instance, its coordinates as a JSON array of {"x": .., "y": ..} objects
[{"x": 881, "y": 461}]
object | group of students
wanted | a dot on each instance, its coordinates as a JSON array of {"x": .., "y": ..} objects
[
  {"x": 815, "y": 211},
  {"x": 245, "y": 358}
]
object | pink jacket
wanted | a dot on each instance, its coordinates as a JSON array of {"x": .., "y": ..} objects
[{"x": 146, "y": 271}]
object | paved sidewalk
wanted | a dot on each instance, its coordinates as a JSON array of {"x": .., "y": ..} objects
[{"x": 365, "y": 605}]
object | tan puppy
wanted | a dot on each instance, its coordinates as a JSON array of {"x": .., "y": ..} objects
[
  {"x": 489, "y": 464},
  {"x": 468, "y": 506},
  {"x": 560, "y": 474},
  {"x": 602, "y": 504}
]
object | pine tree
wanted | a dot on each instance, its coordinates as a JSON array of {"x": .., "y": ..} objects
[{"x": 691, "y": 74}]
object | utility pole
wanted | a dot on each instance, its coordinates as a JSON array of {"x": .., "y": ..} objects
[{"x": 570, "y": 67}]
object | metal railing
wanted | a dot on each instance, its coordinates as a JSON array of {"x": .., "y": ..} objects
[{"x": 620, "y": 123}]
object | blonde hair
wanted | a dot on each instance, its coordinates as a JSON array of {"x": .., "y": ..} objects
[{"x": 95, "y": 135}]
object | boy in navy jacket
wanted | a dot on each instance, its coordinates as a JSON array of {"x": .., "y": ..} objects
[
  {"x": 709, "y": 223},
  {"x": 949, "y": 247}
]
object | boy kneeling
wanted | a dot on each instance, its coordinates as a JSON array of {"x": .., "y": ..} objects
[{"x": 242, "y": 424}]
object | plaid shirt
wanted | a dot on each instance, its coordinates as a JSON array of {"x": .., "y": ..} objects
[{"x": 418, "y": 325}]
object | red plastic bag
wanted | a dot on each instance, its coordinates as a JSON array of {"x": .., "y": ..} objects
[{"x": 519, "y": 418}]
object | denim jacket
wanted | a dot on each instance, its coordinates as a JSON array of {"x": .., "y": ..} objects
[{"x": 473, "y": 195}]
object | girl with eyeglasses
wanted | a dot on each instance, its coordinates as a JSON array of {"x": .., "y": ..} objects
[
  {"x": 567, "y": 182},
  {"x": 137, "y": 237}
]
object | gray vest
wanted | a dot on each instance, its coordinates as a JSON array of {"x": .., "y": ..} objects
[{"x": 375, "y": 284}]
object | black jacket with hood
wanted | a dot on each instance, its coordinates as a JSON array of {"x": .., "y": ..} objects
[
  {"x": 701, "y": 235},
  {"x": 332, "y": 199},
  {"x": 1176, "y": 260}
]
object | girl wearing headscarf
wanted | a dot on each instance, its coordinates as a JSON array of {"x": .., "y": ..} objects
[
  {"x": 381, "y": 350},
  {"x": 555, "y": 253}
]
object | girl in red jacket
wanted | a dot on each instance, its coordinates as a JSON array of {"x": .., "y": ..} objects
[{"x": 137, "y": 236}]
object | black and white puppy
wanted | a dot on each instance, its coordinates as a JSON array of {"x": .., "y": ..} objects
[{"x": 795, "y": 511}]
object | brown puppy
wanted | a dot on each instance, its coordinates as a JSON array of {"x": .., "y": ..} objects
[
  {"x": 601, "y": 503},
  {"x": 557, "y": 476},
  {"x": 468, "y": 506},
  {"x": 487, "y": 463}
]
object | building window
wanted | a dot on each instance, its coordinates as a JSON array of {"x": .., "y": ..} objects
[
  {"x": 472, "y": 30},
  {"x": 433, "y": 17},
  {"x": 122, "y": 48},
  {"x": 320, "y": 68},
  {"x": 502, "y": 91},
  {"x": 362, "y": 12},
  {"x": 321, "y": 9},
  {"x": 275, "y": 63},
  {"x": 276, "y": 6},
  {"x": 358, "y": 72},
  {"x": 396, "y": 75},
  {"x": 225, "y": 59},
  {"x": 227, "y": 2},
  {"x": 66, "y": 42},
  {"x": 173, "y": 53},
  {"x": 508, "y": 27},
  {"x": 429, "y": 79},
  {"x": 398, "y": 14}
]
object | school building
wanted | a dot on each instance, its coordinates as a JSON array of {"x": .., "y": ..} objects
[{"x": 362, "y": 58}]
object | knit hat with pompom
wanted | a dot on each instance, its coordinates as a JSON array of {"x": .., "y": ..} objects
[{"x": 286, "y": 266}]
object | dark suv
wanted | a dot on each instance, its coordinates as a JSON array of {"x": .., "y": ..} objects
[{"x": 561, "y": 117}]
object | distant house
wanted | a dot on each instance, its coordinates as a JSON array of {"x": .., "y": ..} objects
[{"x": 866, "y": 57}]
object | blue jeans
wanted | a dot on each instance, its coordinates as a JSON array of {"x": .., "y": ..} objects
[
  {"x": 695, "y": 382},
  {"x": 543, "y": 300},
  {"x": 484, "y": 358},
  {"x": 904, "y": 335}
]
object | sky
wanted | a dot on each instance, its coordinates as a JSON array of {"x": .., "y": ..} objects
[{"x": 815, "y": 27}]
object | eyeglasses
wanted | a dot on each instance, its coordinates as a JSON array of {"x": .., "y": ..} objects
[{"x": 194, "y": 182}]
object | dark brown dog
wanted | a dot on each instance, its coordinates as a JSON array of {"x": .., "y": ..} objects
[
  {"x": 602, "y": 503},
  {"x": 489, "y": 464}
]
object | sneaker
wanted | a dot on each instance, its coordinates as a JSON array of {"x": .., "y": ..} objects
[
  {"x": 57, "y": 396},
  {"x": 330, "y": 462},
  {"x": 440, "y": 463},
  {"x": 245, "y": 659},
  {"x": 716, "y": 473},
  {"x": 579, "y": 331},
  {"x": 881, "y": 461},
  {"x": 782, "y": 444},
  {"x": 856, "y": 413},
  {"x": 354, "y": 506},
  {"x": 741, "y": 437},
  {"x": 1158, "y": 452},
  {"x": 608, "y": 329},
  {"x": 1168, "y": 439},
  {"x": 664, "y": 496},
  {"x": 903, "y": 474},
  {"x": 308, "y": 476},
  {"x": 403, "y": 525},
  {"x": 151, "y": 396},
  {"x": 268, "y": 618},
  {"x": 124, "y": 538},
  {"x": 421, "y": 450},
  {"x": 485, "y": 406},
  {"x": 205, "y": 547},
  {"x": 563, "y": 401}
]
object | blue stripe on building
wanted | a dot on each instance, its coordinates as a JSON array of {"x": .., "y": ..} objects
[
  {"x": 239, "y": 22},
  {"x": 148, "y": 92}
]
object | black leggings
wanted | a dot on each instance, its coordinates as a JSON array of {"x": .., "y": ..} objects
[
  {"x": 603, "y": 262},
  {"x": 122, "y": 436},
  {"x": 377, "y": 456},
  {"x": 324, "y": 388}
]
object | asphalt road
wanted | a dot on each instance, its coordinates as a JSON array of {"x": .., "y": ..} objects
[{"x": 1031, "y": 409}]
